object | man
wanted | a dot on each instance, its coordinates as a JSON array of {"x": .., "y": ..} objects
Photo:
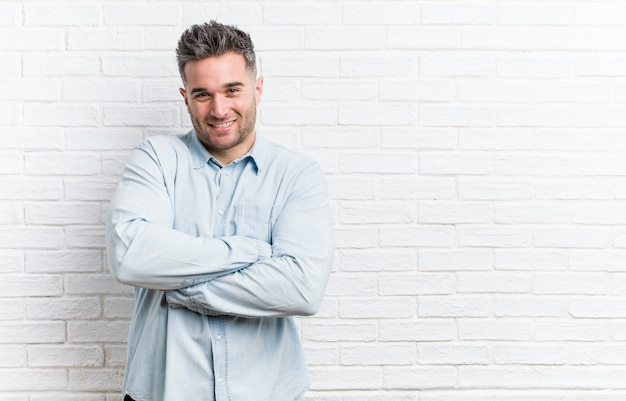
[{"x": 224, "y": 235}]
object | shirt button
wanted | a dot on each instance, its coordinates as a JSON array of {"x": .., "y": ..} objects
[
  {"x": 219, "y": 380},
  {"x": 220, "y": 212},
  {"x": 219, "y": 337}
]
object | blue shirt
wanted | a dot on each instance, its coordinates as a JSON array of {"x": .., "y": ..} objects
[{"x": 221, "y": 258}]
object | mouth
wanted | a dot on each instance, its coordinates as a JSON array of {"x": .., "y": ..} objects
[{"x": 222, "y": 125}]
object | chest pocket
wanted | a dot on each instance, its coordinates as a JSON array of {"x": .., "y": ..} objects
[{"x": 256, "y": 221}]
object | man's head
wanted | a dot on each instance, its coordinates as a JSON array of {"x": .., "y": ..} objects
[
  {"x": 213, "y": 39},
  {"x": 221, "y": 91}
]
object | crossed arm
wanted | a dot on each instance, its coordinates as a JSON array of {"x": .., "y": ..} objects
[{"x": 233, "y": 275}]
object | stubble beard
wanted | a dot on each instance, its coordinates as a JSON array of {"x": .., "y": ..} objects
[{"x": 245, "y": 130}]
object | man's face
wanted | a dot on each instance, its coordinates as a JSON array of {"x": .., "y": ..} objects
[{"x": 221, "y": 96}]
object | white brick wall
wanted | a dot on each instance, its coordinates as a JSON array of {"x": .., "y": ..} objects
[{"x": 475, "y": 156}]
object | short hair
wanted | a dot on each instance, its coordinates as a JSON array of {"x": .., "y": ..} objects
[{"x": 213, "y": 39}]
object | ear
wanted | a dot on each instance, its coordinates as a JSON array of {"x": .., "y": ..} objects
[
  {"x": 258, "y": 90},
  {"x": 184, "y": 95}
]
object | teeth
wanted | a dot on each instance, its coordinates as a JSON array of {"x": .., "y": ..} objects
[{"x": 223, "y": 125}]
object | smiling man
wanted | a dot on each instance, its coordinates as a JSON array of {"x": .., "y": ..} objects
[{"x": 225, "y": 237}]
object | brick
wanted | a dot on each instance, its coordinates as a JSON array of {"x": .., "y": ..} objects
[
  {"x": 495, "y": 236},
  {"x": 348, "y": 284},
  {"x": 33, "y": 379},
  {"x": 394, "y": 114},
  {"x": 161, "y": 116},
  {"x": 31, "y": 237},
  {"x": 84, "y": 237},
  {"x": 496, "y": 330},
  {"x": 435, "y": 115},
  {"x": 531, "y": 259},
  {"x": 116, "y": 39},
  {"x": 453, "y": 64},
  {"x": 279, "y": 38},
  {"x": 141, "y": 14},
  {"x": 443, "y": 212},
  {"x": 59, "y": 64},
  {"x": 376, "y": 213},
  {"x": 416, "y": 236},
  {"x": 63, "y": 261},
  {"x": 31, "y": 89},
  {"x": 12, "y": 357},
  {"x": 42, "y": 14},
  {"x": 418, "y": 138},
  {"x": 119, "y": 308},
  {"x": 455, "y": 260},
  {"x": 436, "y": 163},
  {"x": 325, "y": 13},
  {"x": 423, "y": 90},
  {"x": 571, "y": 283},
  {"x": 448, "y": 13},
  {"x": 40, "y": 138},
  {"x": 31, "y": 285},
  {"x": 570, "y": 330},
  {"x": 378, "y": 354},
  {"x": 115, "y": 355},
  {"x": 344, "y": 38},
  {"x": 44, "y": 163},
  {"x": 495, "y": 189},
  {"x": 423, "y": 329},
  {"x": 338, "y": 90},
  {"x": 63, "y": 308},
  {"x": 442, "y": 306},
  {"x": 60, "y": 115},
  {"x": 376, "y": 260},
  {"x": 394, "y": 65},
  {"x": 244, "y": 13},
  {"x": 348, "y": 378},
  {"x": 97, "y": 331},
  {"x": 396, "y": 13},
  {"x": 340, "y": 331},
  {"x": 139, "y": 65},
  {"x": 283, "y": 64},
  {"x": 8, "y": 14},
  {"x": 416, "y": 284},
  {"x": 453, "y": 354},
  {"x": 89, "y": 284},
  {"x": 11, "y": 261},
  {"x": 537, "y": 14},
  {"x": 416, "y": 188},
  {"x": 358, "y": 238},
  {"x": 100, "y": 379},
  {"x": 391, "y": 163},
  {"x": 351, "y": 188},
  {"x": 69, "y": 356},
  {"x": 102, "y": 90},
  {"x": 32, "y": 39},
  {"x": 572, "y": 237},
  {"x": 377, "y": 308},
  {"x": 425, "y": 38},
  {"x": 31, "y": 333},
  {"x": 417, "y": 378},
  {"x": 529, "y": 306},
  {"x": 480, "y": 282},
  {"x": 45, "y": 213}
]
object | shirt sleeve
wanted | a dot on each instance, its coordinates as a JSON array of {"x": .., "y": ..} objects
[
  {"x": 143, "y": 248},
  {"x": 293, "y": 280}
]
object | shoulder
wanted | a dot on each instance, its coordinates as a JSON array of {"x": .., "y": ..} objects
[{"x": 166, "y": 142}]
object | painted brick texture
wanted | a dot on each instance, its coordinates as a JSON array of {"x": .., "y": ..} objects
[{"x": 474, "y": 152}]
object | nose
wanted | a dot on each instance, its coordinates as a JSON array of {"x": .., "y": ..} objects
[{"x": 219, "y": 107}]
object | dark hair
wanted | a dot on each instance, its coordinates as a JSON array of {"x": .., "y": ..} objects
[{"x": 213, "y": 39}]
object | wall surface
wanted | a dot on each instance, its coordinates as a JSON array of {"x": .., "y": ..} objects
[{"x": 475, "y": 153}]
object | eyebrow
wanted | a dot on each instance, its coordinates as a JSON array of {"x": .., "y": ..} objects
[{"x": 225, "y": 86}]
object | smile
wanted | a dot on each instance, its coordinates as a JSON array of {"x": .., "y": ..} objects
[{"x": 222, "y": 125}]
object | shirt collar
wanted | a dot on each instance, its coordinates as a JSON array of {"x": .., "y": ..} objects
[{"x": 201, "y": 156}]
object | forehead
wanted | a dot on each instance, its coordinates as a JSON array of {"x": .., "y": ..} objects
[{"x": 218, "y": 69}]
